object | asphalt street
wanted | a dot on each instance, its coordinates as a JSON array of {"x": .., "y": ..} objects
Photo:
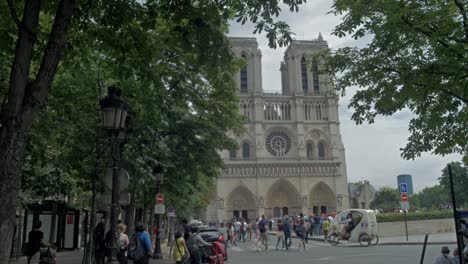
[{"x": 318, "y": 252}]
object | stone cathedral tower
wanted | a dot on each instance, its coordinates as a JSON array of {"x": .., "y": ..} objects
[{"x": 291, "y": 158}]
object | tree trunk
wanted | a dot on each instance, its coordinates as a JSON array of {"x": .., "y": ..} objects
[{"x": 24, "y": 100}]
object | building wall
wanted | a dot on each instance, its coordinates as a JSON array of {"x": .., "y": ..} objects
[{"x": 280, "y": 177}]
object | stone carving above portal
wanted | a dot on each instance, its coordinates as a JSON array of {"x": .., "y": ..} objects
[{"x": 315, "y": 169}]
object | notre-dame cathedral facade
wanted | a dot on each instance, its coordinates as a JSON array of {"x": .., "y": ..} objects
[{"x": 291, "y": 158}]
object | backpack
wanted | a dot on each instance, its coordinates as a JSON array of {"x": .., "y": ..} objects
[
  {"x": 191, "y": 245},
  {"x": 261, "y": 227},
  {"x": 136, "y": 251}
]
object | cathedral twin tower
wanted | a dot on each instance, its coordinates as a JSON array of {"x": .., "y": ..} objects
[{"x": 291, "y": 158}]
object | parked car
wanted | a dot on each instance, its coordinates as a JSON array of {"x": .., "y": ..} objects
[{"x": 213, "y": 234}]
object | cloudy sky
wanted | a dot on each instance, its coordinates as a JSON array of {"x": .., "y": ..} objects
[{"x": 372, "y": 151}]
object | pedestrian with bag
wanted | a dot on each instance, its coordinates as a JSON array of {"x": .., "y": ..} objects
[
  {"x": 195, "y": 245},
  {"x": 262, "y": 228},
  {"x": 139, "y": 248},
  {"x": 100, "y": 243},
  {"x": 280, "y": 234},
  {"x": 122, "y": 243},
  {"x": 287, "y": 232},
  {"x": 181, "y": 253},
  {"x": 300, "y": 232},
  {"x": 35, "y": 242}
]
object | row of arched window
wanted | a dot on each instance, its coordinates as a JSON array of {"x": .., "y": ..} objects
[
  {"x": 310, "y": 149},
  {"x": 245, "y": 152}
]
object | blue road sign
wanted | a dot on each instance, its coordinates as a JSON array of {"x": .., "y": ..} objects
[{"x": 403, "y": 188}]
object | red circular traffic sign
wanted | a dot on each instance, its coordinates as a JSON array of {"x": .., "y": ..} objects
[
  {"x": 404, "y": 197},
  {"x": 160, "y": 198}
]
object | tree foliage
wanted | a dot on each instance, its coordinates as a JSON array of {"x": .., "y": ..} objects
[
  {"x": 174, "y": 63},
  {"x": 386, "y": 198},
  {"x": 460, "y": 182},
  {"x": 416, "y": 60},
  {"x": 430, "y": 198}
]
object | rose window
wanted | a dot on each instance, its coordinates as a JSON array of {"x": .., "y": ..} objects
[{"x": 278, "y": 143}]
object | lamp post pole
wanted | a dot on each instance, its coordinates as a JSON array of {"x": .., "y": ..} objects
[
  {"x": 157, "y": 254},
  {"x": 115, "y": 198},
  {"x": 114, "y": 115}
]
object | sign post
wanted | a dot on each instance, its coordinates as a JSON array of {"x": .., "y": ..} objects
[{"x": 404, "y": 204}]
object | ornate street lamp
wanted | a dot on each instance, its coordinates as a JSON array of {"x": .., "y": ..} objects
[
  {"x": 158, "y": 173},
  {"x": 114, "y": 114}
]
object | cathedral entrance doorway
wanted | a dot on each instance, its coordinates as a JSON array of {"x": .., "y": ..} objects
[
  {"x": 241, "y": 203},
  {"x": 282, "y": 199},
  {"x": 244, "y": 214},
  {"x": 322, "y": 199}
]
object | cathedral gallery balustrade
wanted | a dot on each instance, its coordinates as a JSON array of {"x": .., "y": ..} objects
[{"x": 305, "y": 169}]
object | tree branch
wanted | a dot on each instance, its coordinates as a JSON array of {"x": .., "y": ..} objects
[
  {"x": 38, "y": 91},
  {"x": 430, "y": 35},
  {"x": 465, "y": 100},
  {"x": 19, "y": 75},
  {"x": 14, "y": 16}
]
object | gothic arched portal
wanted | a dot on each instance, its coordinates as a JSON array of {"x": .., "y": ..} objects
[
  {"x": 241, "y": 203},
  {"x": 322, "y": 199},
  {"x": 282, "y": 197}
]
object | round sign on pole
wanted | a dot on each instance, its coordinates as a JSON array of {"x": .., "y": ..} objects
[
  {"x": 160, "y": 198},
  {"x": 404, "y": 197}
]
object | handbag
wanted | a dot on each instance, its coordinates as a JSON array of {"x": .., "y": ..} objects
[
  {"x": 185, "y": 258},
  {"x": 47, "y": 256}
]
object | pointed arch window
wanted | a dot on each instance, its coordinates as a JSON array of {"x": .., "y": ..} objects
[
  {"x": 232, "y": 154},
  {"x": 305, "y": 86},
  {"x": 315, "y": 73},
  {"x": 321, "y": 151},
  {"x": 310, "y": 151},
  {"x": 243, "y": 78},
  {"x": 245, "y": 151}
]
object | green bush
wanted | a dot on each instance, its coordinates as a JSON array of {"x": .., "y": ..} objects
[{"x": 413, "y": 216}]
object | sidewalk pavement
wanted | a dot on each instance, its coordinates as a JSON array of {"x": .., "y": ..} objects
[
  {"x": 433, "y": 239},
  {"x": 76, "y": 257}
]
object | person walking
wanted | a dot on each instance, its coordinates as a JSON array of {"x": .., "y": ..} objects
[
  {"x": 280, "y": 234},
  {"x": 262, "y": 227},
  {"x": 306, "y": 231},
  {"x": 195, "y": 245},
  {"x": 317, "y": 224},
  {"x": 249, "y": 229},
  {"x": 122, "y": 242},
  {"x": 456, "y": 257},
  {"x": 255, "y": 228},
  {"x": 287, "y": 232},
  {"x": 325, "y": 228},
  {"x": 270, "y": 225},
  {"x": 181, "y": 251},
  {"x": 100, "y": 244},
  {"x": 140, "y": 233},
  {"x": 300, "y": 231},
  {"x": 444, "y": 258},
  {"x": 35, "y": 242}
]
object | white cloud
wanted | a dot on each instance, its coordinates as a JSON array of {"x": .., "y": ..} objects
[{"x": 372, "y": 151}]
